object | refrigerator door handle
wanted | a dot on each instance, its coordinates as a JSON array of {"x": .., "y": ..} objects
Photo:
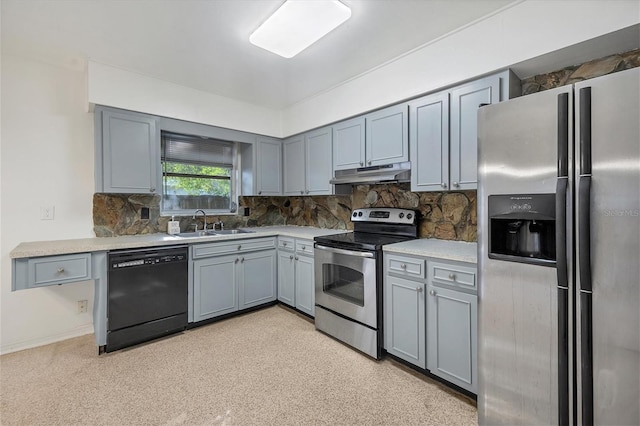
[
  {"x": 584, "y": 259},
  {"x": 561, "y": 259}
]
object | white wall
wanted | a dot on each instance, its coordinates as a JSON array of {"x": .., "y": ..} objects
[
  {"x": 118, "y": 88},
  {"x": 46, "y": 159},
  {"x": 526, "y": 30}
]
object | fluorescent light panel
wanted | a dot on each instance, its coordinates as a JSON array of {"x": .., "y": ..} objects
[{"x": 297, "y": 24}]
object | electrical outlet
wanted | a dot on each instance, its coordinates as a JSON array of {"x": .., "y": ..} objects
[
  {"x": 47, "y": 212},
  {"x": 82, "y": 306}
]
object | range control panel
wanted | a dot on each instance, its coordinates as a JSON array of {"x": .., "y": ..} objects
[{"x": 384, "y": 215}]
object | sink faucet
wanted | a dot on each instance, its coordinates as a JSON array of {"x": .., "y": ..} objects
[
  {"x": 205, "y": 218},
  {"x": 218, "y": 223}
]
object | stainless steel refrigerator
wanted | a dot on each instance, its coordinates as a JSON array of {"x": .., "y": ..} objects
[{"x": 559, "y": 256}]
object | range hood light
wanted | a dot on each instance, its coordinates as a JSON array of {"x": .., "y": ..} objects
[{"x": 297, "y": 24}]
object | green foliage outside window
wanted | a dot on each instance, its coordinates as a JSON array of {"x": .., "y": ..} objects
[{"x": 203, "y": 180}]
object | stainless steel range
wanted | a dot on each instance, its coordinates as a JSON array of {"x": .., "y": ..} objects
[{"x": 348, "y": 276}]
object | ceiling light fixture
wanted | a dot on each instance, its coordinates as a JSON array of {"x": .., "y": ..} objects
[{"x": 297, "y": 24}]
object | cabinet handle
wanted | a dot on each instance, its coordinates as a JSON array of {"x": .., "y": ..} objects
[
  {"x": 239, "y": 247},
  {"x": 369, "y": 162},
  {"x": 60, "y": 270},
  {"x": 236, "y": 261},
  {"x": 242, "y": 260},
  {"x": 362, "y": 163},
  {"x": 432, "y": 292},
  {"x": 296, "y": 257},
  {"x": 452, "y": 277},
  {"x": 284, "y": 244},
  {"x": 291, "y": 257},
  {"x": 419, "y": 289},
  {"x": 444, "y": 185},
  {"x": 259, "y": 192},
  {"x": 456, "y": 184},
  {"x": 307, "y": 191},
  {"x": 403, "y": 266},
  {"x": 304, "y": 247}
]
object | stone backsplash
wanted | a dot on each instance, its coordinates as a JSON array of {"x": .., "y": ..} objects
[
  {"x": 585, "y": 71},
  {"x": 444, "y": 215}
]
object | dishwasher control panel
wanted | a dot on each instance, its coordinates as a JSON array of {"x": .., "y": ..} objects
[{"x": 146, "y": 258}]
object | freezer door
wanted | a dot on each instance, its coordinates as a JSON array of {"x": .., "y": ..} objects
[
  {"x": 518, "y": 302},
  {"x": 608, "y": 246}
]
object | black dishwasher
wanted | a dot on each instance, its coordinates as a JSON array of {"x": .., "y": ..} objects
[{"x": 147, "y": 294}]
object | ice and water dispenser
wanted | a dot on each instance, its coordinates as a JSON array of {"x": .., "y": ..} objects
[{"x": 522, "y": 228}]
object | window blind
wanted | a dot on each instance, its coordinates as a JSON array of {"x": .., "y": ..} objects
[{"x": 195, "y": 150}]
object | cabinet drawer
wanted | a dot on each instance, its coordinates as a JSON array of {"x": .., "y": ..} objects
[
  {"x": 286, "y": 243},
  {"x": 406, "y": 266},
  {"x": 235, "y": 246},
  {"x": 52, "y": 270},
  {"x": 304, "y": 247},
  {"x": 451, "y": 274}
]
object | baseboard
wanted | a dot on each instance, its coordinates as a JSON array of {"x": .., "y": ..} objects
[{"x": 41, "y": 341}]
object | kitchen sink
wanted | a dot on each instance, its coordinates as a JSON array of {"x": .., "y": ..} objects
[
  {"x": 232, "y": 231},
  {"x": 210, "y": 233}
]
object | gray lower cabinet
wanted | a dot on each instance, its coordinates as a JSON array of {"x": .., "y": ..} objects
[
  {"x": 127, "y": 152},
  {"x": 451, "y": 336},
  {"x": 296, "y": 286},
  {"x": 404, "y": 319},
  {"x": 430, "y": 316},
  {"x": 231, "y": 276},
  {"x": 305, "y": 289},
  {"x": 286, "y": 277},
  {"x": 215, "y": 290}
]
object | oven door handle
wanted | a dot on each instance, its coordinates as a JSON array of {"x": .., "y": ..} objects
[{"x": 345, "y": 252}]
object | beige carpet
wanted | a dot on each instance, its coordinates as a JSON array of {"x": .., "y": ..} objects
[{"x": 269, "y": 367}]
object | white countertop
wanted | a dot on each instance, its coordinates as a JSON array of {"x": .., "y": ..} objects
[
  {"x": 84, "y": 245},
  {"x": 442, "y": 249}
]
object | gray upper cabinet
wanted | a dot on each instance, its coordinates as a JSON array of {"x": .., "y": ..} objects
[
  {"x": 269, "y": 166},
  {"x": 443, "y": 132},
  {"x": 387, "y": 138},
  {"x": 429, "y": 137},
  {"x": 465, "y": 102},
  {"x": 294, "y": 168},
  {"x": 319, "y": 162},
  {"x": 349, "y": 144},
  {"x": 128, "y": 158},
  {"x": 308, "y": 163}
]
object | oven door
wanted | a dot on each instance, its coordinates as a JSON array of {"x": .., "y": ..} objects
[{"x": 346, "y": 283}]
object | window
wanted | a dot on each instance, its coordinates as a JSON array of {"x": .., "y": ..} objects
[{"x": 198, "y": 173}]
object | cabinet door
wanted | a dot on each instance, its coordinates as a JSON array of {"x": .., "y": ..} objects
[
  {"x": 404, "y": 319},
  {"x": 215, "y": 289},
  {"x": 269, "y": 167},
  {"x": 305, "y": 288},
  {"x": 257, "y": 278},
  {"x": 294, "y": 167},
  {"x": 130, "y": 153},
  {"x": 429, "y": 141},
  {"x": 387, "y": 138},
  {"x": 319, "y": 162},
  {"x": 452, "y": 336},
  {"x": 349, "y": 144},
  {"x": 465, "y": 102},
  {"x": 286, "y": 278}
]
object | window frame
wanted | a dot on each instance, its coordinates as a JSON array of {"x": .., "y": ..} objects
[{"x": 233, "y": 177}]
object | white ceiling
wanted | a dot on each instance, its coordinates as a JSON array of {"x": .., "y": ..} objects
[{"x": 203, "y": 44}]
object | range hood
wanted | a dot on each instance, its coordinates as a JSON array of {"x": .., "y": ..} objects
[{"x": 390, "y": 173}]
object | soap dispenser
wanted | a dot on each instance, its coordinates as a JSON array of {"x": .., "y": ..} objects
[{"x": 173, "y": 226}]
